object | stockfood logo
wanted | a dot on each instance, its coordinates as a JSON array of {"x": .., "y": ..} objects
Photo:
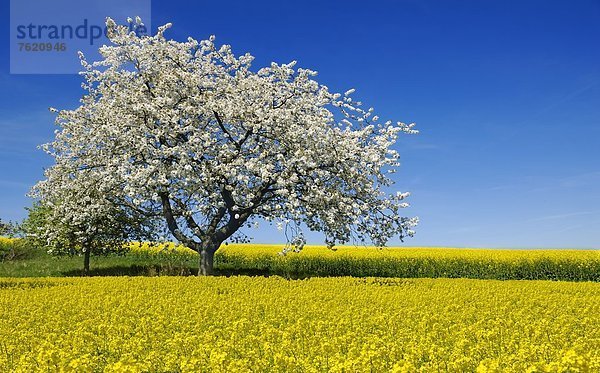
[{"x": 46, "y": 36}]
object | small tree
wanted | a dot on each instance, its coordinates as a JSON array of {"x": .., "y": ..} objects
[
  {"x": 78, "y": 220},
  {"x": 34, "y": 224},
  {"x": 188, "y": 131}
]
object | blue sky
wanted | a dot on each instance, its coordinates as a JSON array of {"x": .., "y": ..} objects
[{"x": 506, "y": 95}]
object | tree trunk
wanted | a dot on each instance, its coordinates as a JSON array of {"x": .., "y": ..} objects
[
  {"x": 207, "y": 256},
  {"x": 86, "y": 262}
]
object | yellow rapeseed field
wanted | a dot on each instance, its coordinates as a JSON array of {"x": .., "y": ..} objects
[
  {"x": 6, "y": 240},
  {"x": 244, "y": 324},
  {"x": 571, "y": 265},
  {"x": 259, "y": 250},
  {"x": 413, "y": 252}
]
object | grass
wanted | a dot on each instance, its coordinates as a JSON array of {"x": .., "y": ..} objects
[{"x": 42, "y": 264}]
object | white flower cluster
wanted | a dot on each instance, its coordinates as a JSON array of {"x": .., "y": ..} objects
[
  {"x": 187, "y": 131},
  {"x": 296, "y": 245}
]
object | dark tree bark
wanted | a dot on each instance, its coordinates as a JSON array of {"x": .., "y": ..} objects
[
  {"x": 207, "y": 254},
  {"x": 206, "y": 262},
  {"x": 86, "y": 261}
]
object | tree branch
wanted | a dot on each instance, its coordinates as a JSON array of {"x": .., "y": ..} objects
[
  {"x": 172, "y": 223},
  {"x": 222, "y": 126},
  {"x": 189, "y": 220}
]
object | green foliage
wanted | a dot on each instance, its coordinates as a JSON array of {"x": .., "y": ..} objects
[
  {"x": 9, "y": 229},
  {"x": 32, "y": 227},
  {"x": 15, "y": 249},
  {"x": 3, "y": 228}
]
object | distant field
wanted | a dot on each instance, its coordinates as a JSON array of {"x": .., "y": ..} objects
[
  {"x": 572, "y": 265},
  {"x": 244, "y": 324},
  {"x": 259, "y": 259}
]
